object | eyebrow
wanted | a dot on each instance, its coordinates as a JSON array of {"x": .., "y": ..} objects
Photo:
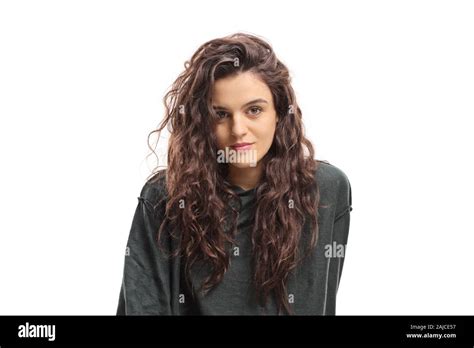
[{"x": 259, "y": 100}]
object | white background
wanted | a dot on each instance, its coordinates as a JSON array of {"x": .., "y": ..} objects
[{"x": 386, "y": 89}]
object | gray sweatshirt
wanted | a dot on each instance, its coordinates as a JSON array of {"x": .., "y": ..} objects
[{"x": 154, "y": 285}]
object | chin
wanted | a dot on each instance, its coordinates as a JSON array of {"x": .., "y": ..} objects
[{"x": 244, "y": 165}]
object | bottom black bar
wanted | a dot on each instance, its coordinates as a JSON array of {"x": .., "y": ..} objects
[{"x": 222, "y": 330}]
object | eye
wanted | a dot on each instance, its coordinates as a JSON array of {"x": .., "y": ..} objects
[
  {"x": 255, "y": 110},
  {"x": 221, "y": 114}
]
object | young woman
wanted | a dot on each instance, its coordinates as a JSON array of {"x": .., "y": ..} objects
[{"x": 244, "y": 220}]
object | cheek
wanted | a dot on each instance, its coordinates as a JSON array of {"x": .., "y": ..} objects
[
  {"x": 265, "y": 140},
  {"x": 221, "y": 136},
  {"x": 266, "y": 134}
]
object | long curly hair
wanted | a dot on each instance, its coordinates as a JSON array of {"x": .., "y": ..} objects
[{"x": 201, "y": 207}]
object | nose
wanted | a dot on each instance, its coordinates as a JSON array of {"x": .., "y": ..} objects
[{"x": 239, "y": 125}]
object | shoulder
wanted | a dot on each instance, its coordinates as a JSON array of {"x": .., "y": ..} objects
[
  {"x": 154, "y": 189},
  {"x": 330, "y": 176},
  {"x": 334, "y": 186}
]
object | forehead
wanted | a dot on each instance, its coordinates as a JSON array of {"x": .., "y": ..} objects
[{"x": 238, "y": 89}]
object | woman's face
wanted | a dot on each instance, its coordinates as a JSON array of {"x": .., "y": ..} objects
[{"x": 247, "y": 115}]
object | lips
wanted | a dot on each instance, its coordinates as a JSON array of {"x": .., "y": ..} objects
[{"x": 241, "y": 146}]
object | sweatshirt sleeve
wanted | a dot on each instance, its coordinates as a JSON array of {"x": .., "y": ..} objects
[
  {"x": 342, "y": 222},
  {"x": 145, "y": 288}
]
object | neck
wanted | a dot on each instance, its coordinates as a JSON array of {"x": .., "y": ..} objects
[{"x": 246, "y": 178}]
